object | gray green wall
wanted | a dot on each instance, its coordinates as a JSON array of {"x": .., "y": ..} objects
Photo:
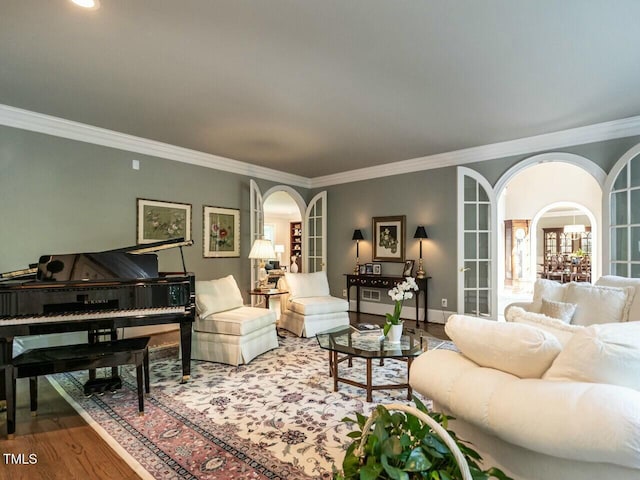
[
  {"x": 426, "y": 198},
  {"x": 60, "y": 196},
  {"x": 63, "y": 196}
]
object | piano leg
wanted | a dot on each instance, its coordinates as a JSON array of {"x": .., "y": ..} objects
[
  {"x": 10, "y": 390},
  {"x": 6, "y": 354},
  {"x": 185, "y": 345}
]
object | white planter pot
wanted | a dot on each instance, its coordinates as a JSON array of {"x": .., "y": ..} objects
[{"x": 395, "y": 333}]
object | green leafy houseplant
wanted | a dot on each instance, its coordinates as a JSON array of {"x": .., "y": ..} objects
[
  {"x": 399, "y": 293},
  {"x": 400, "y": 446}
]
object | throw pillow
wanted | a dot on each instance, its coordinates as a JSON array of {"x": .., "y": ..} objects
[
  {"x": 561, "y": 330},
  {"x": 548, "y": 289},
  {"x": 597, "y": 304},
  {"x": 615, "y": 281},
  {"x": 518, "y": 349},
  {"x": 307, "y": 284},
  {"x": 213, "y": 296},
  {"x": 608, "y": 353},
  {"x": 560, "y": 310}
]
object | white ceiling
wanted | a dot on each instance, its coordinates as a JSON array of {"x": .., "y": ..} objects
[{"x": 320, "y": 87}]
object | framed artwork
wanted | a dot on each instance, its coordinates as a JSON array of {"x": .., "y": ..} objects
[
  {"x": 368, "y": 268},
  {"x": 408, "y": 269},
  {"x": 362, "y": 270},
  {"x": 377, "y": 268},
  {"x": 388, "y": 238},
  {"x": 158, "y": 220},
  {"x": 221, "y": 237}
]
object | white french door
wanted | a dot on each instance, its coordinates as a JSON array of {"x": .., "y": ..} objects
[
  {"x": 477, "y": 245},
  {"x": 314, "y": 234},
  {"x": 621, "y": 211},
  {"x": 257, "y": 230}
]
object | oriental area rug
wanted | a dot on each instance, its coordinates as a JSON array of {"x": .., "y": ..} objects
[{"x": 275, "y": 418}]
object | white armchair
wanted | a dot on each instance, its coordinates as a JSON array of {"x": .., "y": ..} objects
[
  {"x": 225, "y": 330},
  {"x": 309, "y": 308}
]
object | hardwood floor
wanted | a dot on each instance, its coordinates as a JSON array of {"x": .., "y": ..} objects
[{"x": 65, "y": 446}]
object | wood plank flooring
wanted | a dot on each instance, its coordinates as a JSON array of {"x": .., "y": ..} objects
[{"x": 65, "y": 446}]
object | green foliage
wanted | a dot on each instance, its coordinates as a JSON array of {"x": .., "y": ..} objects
[{"x": 401, "y": 447}]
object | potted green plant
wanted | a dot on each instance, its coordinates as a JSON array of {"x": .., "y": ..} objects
[{"x": 409, "y": 445}]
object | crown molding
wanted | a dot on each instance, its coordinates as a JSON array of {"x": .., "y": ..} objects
[
  {"x": 625, "y": 127},
  {"x": 41, "y": 123},
  {"x": 59, "y": 127}
]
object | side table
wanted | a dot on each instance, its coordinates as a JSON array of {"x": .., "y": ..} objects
[{"x": 267, "y": 294}]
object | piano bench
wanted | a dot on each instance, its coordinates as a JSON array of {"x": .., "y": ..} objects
[{"x": 68, "y": 358}]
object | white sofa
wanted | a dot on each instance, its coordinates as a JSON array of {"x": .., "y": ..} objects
[
  {"x": 225, "y": 330},
  {"x": 543, "y": 398},
  {"x": 309, "y": 308}
]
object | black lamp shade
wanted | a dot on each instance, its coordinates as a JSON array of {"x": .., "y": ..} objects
[
  {"x": 420, "y": 233},
  {"x": 357, "y": 235}
]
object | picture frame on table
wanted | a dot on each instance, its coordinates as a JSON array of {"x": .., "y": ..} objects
[
  {"x": 368, "y": 268},
  {"x": 377, "y": 269},
  {"x": 362, "y": 269},
  {"x": 158, "y": 220},
  {"x": 407, "y": 271},
  {"x": 389, "y": 235},
  {"x": 221, "y": 232}
]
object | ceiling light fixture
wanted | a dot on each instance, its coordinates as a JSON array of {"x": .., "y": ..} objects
[{"x": 88, "y": 4}]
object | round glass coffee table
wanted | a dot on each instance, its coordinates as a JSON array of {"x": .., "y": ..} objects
[{"x": 350, "y": 343}]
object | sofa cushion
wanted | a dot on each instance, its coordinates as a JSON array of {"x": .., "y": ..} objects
[
  {"x": 217, "y": 295},
  {"x": 307, "y": 284},
  {"x": 559, "y": 329},
  {"x": 616, "y": 281},
  {"x": 318, "y": 305},
  {"x": 608, "y": 353},
  {"x": 548, "y": 289},
  {"x": 238, "y": 321},
  {"x": 597, "y": 304},
  {"x": 560, "y": 310},
  {"x": 519, "y": 349}
]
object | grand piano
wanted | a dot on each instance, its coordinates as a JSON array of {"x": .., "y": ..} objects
[{"x": 97, "y": 293}]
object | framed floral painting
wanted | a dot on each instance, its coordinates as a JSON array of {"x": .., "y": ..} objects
[
  {"x": 221, "y": 232},
  {"x": 158, "y": 220},
  {"x": 388, "y": 238}
]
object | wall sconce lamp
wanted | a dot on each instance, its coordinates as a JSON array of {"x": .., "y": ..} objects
[
  {"x": 421, "y": 234},
  {"x": 357, "y": 236}
]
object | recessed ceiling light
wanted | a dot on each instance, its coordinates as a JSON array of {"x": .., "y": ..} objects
[{"x": 88, "y": 4}]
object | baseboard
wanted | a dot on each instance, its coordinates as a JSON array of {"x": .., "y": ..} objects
[{"x": 408, "y": 311}]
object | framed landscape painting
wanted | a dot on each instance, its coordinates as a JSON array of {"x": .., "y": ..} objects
[
  {"x": 388, "y": 238},
  {"x": 158, "y": 220},
  {"x": 221, "y": 232}
]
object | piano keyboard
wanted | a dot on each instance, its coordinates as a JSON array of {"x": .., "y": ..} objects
[{"x": 72, "y": 317}]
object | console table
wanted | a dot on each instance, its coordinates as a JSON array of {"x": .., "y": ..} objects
[{"x": 387, "y": 283}]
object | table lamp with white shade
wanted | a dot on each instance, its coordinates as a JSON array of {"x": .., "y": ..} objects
[
  {"x": 279, "y": 249},
  {"x": 262, "y": 250}
]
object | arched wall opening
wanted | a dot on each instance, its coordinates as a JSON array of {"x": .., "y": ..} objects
[{"x": 540, "y": 184}]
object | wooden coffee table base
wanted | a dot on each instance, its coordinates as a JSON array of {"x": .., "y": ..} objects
[{"x": 334, "y": 360}]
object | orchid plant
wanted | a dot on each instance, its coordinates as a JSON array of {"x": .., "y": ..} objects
[{"x": 401, "y": 292}]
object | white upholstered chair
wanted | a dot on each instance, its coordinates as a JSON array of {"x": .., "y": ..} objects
[
  {"x": 225, "y": 330},
  {"x": 309, "y": 308}
]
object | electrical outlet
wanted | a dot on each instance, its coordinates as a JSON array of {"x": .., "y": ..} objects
[
  {"x": 444, "y": 303},
  {"x": 344, "y": 293}
]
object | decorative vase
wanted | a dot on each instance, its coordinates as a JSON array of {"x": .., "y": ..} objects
[
  {"x": 294, "y": 265},
  {"x": 395, "y": 333}
]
